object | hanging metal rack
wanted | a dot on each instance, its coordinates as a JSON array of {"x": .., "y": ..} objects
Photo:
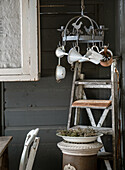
[{"x": 79, "y": 32}]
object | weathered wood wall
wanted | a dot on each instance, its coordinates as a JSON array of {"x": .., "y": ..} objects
[
  {"x": 122, "y": 51},
  {"x": 44, "y": 104}
]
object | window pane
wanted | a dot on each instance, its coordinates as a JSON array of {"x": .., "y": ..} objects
[{"x": 10, "y": 34}]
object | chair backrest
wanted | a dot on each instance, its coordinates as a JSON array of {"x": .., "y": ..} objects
[{"x": 29, "y": 150}]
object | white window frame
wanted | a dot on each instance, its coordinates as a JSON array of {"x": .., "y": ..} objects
[{"x": 30, "y": 45}]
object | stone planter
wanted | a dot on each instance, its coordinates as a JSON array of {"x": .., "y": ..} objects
[{"x": 79, "y": 156}]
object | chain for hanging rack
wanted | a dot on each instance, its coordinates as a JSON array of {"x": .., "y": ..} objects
[{"x": 82, "y": 7}]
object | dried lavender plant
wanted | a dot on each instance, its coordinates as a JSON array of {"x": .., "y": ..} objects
[{"x": 87, "y": 132}]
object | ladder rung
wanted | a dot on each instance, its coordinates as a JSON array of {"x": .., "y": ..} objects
[
  {"x": 105, "y": 155},
  {"x": 92, "y": 103},
  {"x": 95, "y": 86},
  {"x": 95, "y": 83},
  {"x": 104, "y": 130}
]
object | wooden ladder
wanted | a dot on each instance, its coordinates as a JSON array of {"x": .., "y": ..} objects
[{"x": 79, "y": 101}]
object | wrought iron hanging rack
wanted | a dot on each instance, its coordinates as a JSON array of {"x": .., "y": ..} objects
[{"x": 82, "y": 34}]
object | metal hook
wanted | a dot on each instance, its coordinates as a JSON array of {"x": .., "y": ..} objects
[
  {"x": 72, "y": 67},
  {"x": 82, "y": 7}
]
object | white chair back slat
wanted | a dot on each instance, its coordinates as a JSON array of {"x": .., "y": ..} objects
[{"x": 29, "y": 150}]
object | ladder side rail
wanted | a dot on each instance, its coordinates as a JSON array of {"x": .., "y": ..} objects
[
  {"x": 72, "y": 95},
  {"x": 79, "y": 94},
  {"x": 115, "y": 111}
]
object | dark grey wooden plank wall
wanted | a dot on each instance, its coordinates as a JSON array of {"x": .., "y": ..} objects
[{"x": 44, "y": 104}]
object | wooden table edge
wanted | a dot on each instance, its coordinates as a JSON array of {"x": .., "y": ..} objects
[{"x": 9, "y": 140}]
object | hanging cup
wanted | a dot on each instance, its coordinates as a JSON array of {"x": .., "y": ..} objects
[{"x": 60, "y": 72}]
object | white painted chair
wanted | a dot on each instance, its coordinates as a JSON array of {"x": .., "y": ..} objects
[{"x": 29, "y": 150}]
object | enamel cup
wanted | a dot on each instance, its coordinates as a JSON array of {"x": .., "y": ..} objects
[{"x": 60, "y": 72}]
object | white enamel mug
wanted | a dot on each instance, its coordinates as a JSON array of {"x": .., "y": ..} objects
[{"x": 60, "y": 72}]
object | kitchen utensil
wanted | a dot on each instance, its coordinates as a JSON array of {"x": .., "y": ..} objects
[
  {"x": 107, "y": 57},
  {"x": 60, "y": 72},
  {"x": 60, "y": 52},
  {"x": 74, "y": 55}
]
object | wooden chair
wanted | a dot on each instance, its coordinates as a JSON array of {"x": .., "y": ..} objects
[{"x": 29, "y": 150}]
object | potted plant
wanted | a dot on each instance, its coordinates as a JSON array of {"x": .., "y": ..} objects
[{"x": 79, "y": 135}]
